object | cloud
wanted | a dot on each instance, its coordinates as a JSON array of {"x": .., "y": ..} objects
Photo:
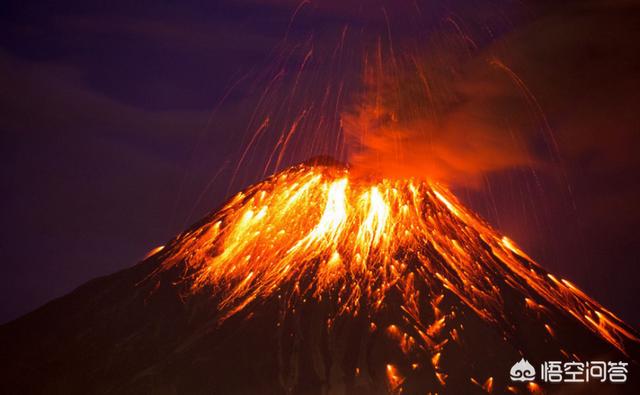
[
  {"x": 560, "y": 87},
  {"x": 455, "y": 137}
]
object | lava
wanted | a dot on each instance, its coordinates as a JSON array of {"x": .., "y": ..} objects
[
  {"x": 317, "y": 281},
  {"x": 316, "y": 231}
]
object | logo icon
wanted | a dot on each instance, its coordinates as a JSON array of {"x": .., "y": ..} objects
[{"x": 522, "y": 371}]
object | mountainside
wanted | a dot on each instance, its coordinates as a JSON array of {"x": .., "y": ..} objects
[{"x": 318, "y": 282}]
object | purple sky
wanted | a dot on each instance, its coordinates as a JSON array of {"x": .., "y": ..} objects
[{"x": 121, "y": 124}]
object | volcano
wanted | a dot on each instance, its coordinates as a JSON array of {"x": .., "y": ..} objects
[{"x": 318, "y": 281}]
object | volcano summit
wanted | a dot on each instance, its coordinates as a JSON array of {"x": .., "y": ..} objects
[{"x": 315, "y": 281}]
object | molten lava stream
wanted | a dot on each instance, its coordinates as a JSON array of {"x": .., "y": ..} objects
[{"x": 313, "y": 232}]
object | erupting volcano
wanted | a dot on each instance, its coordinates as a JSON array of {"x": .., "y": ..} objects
[{"x": 316, "y": 281}]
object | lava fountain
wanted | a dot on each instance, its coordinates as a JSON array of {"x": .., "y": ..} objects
[
  {"x": 402, "y": 255},
  {"x": 319, "y": 281}
]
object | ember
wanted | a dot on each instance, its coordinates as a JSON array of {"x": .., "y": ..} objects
[{"x": 315, "y": 231}]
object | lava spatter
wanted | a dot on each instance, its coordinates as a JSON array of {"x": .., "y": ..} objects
[
  {"x": 314, "y": 231},
  {"x": 317, "y": 281}
]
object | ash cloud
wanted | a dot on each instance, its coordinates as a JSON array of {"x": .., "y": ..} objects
[
  {"x": 456, "y": 135},
  {"x": 467, "y": 105}
]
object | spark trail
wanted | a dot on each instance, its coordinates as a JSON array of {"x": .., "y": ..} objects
[{"x": 316, "y": 231}]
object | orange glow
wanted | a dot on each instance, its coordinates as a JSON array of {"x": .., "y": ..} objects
[
  {"x": 435, "y": 360},
  {"x": 530, "y": 303},
  {"x": 319, "y": 232},
  {"x": 534, "y": 388},
  {"x": 395, "y": 379},
  {"x": 549, "y": 329},
  {"x": 153, "y": 252},
  {"x": 488, "y": 385}
]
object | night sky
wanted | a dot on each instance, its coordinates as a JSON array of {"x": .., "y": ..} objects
[{"x": 121, "y": 123}]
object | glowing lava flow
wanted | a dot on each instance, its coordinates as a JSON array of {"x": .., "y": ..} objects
[{"x": 314, "y": 232}]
